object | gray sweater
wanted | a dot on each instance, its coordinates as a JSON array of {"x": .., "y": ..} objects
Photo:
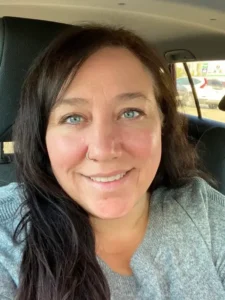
[{"x": 182, "y": 256}]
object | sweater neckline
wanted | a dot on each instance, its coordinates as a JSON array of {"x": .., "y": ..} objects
[{"x": 150, "y": 242}]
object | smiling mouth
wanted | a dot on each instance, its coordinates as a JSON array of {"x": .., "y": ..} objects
[{"x": 108, "y": 179}]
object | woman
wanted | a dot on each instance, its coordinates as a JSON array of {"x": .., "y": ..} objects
[{"x": 113, "y": 203}]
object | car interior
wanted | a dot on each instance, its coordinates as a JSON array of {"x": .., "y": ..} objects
[{"x": 182, "y": 30}]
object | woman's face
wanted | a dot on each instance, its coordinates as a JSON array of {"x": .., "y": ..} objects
[{"x": 109, "y": 111}]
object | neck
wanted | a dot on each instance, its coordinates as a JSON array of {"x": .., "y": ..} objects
[{"x": 125, "y": 229}]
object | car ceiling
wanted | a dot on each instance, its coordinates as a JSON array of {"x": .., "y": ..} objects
[{"x": 194, "y": 25}]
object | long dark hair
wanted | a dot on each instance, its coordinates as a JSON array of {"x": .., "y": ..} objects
[{"x": 59, "y": 260}]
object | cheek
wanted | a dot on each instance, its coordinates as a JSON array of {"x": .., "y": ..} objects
[
  {"x": 64, "y": 150},
  {"x": 145, "y": 148},
  {"x": 144, "y": 144}
]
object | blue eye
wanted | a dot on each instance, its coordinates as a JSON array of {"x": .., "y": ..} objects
[
  {"x": 131, "y": 114},
  {"x": 73, "y": 119}
]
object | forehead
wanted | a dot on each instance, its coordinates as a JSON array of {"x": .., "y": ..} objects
[{"x": 112, "y": 70}]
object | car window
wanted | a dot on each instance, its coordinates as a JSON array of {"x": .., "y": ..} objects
[
  {"x": 183, "y": 81},
  {"x": 209, "y": 81},
  {"x": 196, "y": 81},
  {"x": 216, "y": 84},
  {"x": 8, "y": 147}
]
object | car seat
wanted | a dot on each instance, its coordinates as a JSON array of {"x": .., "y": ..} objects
[{"x": 21, "y": 40}]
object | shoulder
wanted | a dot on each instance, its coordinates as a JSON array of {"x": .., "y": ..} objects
[
  {"x": 10, "y": 216},
  {"x": 10, "y": 200},
  {"x": 205, "y": 208},
  {"x": 198, "y": 207},
  {"x": 196, "y": 194},
  {"x": 201, "y": 202},
  {"x": 8, "y": 191},
  {"x": 11, "y": 211}
]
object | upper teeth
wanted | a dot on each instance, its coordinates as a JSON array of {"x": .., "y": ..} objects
[{"x": 108, "y": 179}]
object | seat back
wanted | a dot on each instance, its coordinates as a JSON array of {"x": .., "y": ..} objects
[
  {"x": 222, "y": 104},
  {"x": 211, "y": 149},
  {"x": 21, "y": 40}
]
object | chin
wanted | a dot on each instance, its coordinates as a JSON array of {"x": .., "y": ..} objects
[
  {"x": 111, "y": 216},
  {"x": 113, "y": 210}
]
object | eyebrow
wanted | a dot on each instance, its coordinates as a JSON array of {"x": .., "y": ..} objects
[
  {"x": 131, "y": 96},
  {"x": 70, "y": 101},
  {"x": 81, "y": 101}
]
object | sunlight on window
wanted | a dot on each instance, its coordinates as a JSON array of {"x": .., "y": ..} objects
[
  {"x": 209, "y": 82},
  {"x": 8, "y": 148}
]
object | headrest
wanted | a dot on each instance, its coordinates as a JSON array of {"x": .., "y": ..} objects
[
  {"x": 21, "y": 40},
  {"x": 222, "y": 104}
]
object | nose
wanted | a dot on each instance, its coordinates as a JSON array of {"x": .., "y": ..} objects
[{"x": 104, "y": 142}]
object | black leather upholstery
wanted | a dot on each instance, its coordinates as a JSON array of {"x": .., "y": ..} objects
[
  {"x": 222, "y": 104},
  {"x": 7, "y": 173},
  {"x": 21, "y": 40},
  {"x": 211, "y": 148}
]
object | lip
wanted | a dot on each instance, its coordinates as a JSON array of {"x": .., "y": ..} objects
[{"x": 111, "y": 185}]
